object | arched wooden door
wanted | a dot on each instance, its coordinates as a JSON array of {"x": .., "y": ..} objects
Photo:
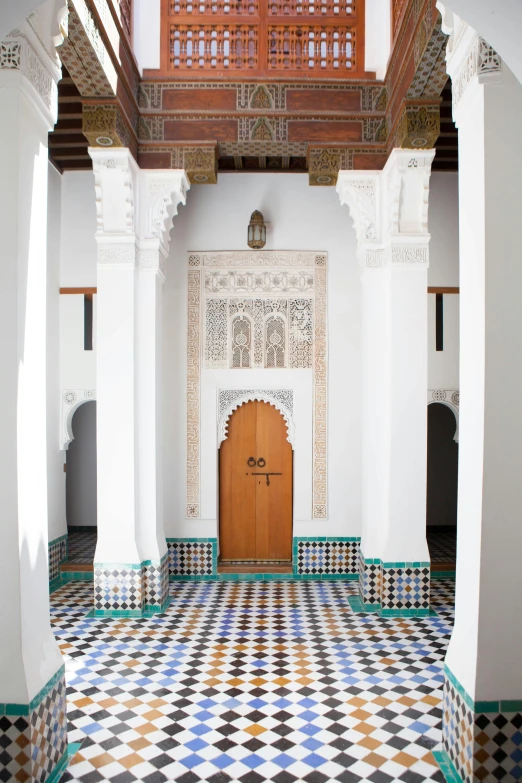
[{"x": 255, "y": 486}]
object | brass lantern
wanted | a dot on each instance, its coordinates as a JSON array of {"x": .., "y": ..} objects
[{"x": 256, "y": 231}]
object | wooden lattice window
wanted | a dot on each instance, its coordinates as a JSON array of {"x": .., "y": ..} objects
[{"x": 323, "y": 37}]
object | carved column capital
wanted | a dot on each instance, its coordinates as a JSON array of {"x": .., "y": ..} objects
[
  {"x": 469, "y": 57},
  {"x": 161, "y": 192},
  {"x": 389, "y": 209},
  {"x": 28, "y": 58},
  {"x": 115, "y": 181}
]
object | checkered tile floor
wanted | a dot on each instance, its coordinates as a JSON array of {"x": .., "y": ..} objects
[
  {"x": 442, "y": 546},
  {"x": 82, "y": 547},
  {"x": 252, "y": 682}
]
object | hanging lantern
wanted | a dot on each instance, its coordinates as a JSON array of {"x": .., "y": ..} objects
[{"x": 256, "y": 231}]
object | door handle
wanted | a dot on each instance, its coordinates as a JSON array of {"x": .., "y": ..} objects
[
  {"x": 261, "y": 462},
  {"x": 251, "y": 462},
  {"x": 267, "y": 475}
]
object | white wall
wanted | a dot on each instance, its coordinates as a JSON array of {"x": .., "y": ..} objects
[
  {"x": 55, "y": 457},
  {"x": 443, "y": 366},
  {"x": 78, "y": 246},
  {"x": 301, "y": 218}
]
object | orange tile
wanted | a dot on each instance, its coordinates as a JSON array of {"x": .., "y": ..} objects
[
  {"x": 76, "y": 759},
  {"x": 360, "y": 714},
  {"x": 404, "y": 759},
  {"x": 132, "y": 703},
  {"x": 102, "y": 760},
  {"x": 83, "y": 702},
  {"x": 139, "y": 743},
  {"x": 281, "y": 681},
  {"x": 255, "y": 729},
  {"x": 370, "y": 743},
  {"x": 235, "y": 681},
  {"x": 157, "y": 703},
  {"x": 374, "y": 759},
  {"x": 152, "y": 715},
  {"x": 428, "y": 759},
  {"x": 365, "y": 728},
  {"x": 106, "y": 703},
  {"x": 22, "y": 776},
  {"x": 357, "y": 702},
  {"x": 432, "y": 700},
  {"x": 132, "y": 760},
  {"x": 147, "y": 728}
]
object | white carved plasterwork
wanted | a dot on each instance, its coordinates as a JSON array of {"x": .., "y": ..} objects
[
  {"x": 409, "y": 254},
  {"x": 164, "y": 192},
  {"x": 18, "y": 53},
  {"x": 193, "y": 391},
  {"x": 360, "y": 193},
  {"x": 451, "y": 399},
  {"x": 483, "y": 62},
  {"x": 213, "y": 303},
  {"x": 115, "y": 172},
  {"x": 71, "y": 401},
  {"x": 231, "y": 399},
  {"x": 116, "y": 254}
]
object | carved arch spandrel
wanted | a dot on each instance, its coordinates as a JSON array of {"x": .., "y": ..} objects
[
  {"x": 71, "y": 401},
  {"x": 231, "y": 399}
]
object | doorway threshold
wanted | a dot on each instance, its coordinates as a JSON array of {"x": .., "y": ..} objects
[{"x": 254, "y": 568}]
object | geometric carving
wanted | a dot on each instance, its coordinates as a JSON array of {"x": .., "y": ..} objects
[
  {"x": 104, "y": 126},
  {"x": 231, "y": 399},
  {"x": 419, "y": 126},
  {"x": 71, "y": 401},
  {"x": 292, "y": 328},
  {"x": 323, "y": 166}
]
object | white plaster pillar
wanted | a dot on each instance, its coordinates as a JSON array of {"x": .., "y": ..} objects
[
  {"x": 135, "y": 211},
  {"x": 32, "y": 676},
  {"x": 160, "y": 194},
  {"x": 483, "y": 687},
  {"x": 390, "y": 210}
]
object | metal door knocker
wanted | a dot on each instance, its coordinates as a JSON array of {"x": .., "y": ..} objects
[
  {"x": 251, "y": 462},
  {"x": 261, "y": 463}
]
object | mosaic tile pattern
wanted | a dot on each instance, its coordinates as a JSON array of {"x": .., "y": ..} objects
[
  {"x": 481, "y": 746},
  {"x": 405, "y": 588},
  {"x": 82, "y": 547},
  {"x": 326, "y": 556},
  {"x": 192, "y": 557},
  {"x": 118, "y": 588},
  {"x": 253, "y": 682},
  {"x": 33, "y": 745},
  {"x": 57, "y": 554},
  {"x": 442, "y": 545},
  {"x": 156, "y": 584},
  {"x": 369, "y": 580}
]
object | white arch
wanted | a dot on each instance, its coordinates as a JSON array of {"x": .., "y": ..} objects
[
  {"x": 71, "y": 401},
  {"x": 231, "y": 399},
  {"x": 440, "y": 396}
]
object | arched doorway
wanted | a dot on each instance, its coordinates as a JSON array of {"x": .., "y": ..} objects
[
  {"x": 442, "y": 486},
  {"x": 255, "y": 487},
  {"x": 81, "y": 489}
]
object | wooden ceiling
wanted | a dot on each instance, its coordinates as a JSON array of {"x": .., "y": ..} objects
[{"x": 225, "y": 122}]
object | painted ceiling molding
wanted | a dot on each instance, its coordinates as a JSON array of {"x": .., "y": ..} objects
[{"x": 230, "y": 400}]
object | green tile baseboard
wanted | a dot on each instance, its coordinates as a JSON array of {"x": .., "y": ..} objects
[
  {"x": 263, "y": 577},
  {"x": 360, "y": 608},
  {"x": 25, "y": 709},
  {"x": 446, "y": 766},
  {"x": 484, "y": 707}
]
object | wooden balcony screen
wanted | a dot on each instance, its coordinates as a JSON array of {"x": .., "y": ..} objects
[{"x": 319, "y": 38}]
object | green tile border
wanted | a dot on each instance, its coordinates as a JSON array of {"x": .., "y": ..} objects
[
  {"x": 25, "y": 709},
  {"x": 483, "y": 707},
  {"x": 446, "y": 766},
  {"x": 437, "y": 575},
  {"x": 360, "y": 608},
  {"x": 57, "y": 540},
  {"x": 190, "y": 540},
  {"x": 329, "y": 539},
  {"x": 264, "y": 578},
  {"x": 148, "y": 611}
]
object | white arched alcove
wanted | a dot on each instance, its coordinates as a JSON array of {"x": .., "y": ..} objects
[
  {"x": 230, "y": 399},
  {"x": 71, "y": 401},
  {"x": 451, "y": 399}
]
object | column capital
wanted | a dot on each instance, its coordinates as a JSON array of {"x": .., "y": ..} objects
[
  {"x": 28, "y": 58},
  {"x": 468, "y": 56},
  {"x": 115, "y": 182},
  {"x": 161, "y": 192},
  {"x": 389, "y": 209}
]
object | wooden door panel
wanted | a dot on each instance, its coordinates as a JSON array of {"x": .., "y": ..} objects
[
  {"x": 273, "y": 500},
  {"x": 255, "y": 517},
  {"x": 237, "y": 491}
]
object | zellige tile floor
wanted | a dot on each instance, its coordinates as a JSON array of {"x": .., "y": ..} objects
[{"x": 252, "y": 682}]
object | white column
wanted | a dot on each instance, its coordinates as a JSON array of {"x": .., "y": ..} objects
[
  {"x": 483, "y": 671},
  {"x": 31, "y": 666},
  {"x": 160, "y": 194},
  {"x": 135, "y": 211},
  {"x": 389, "y": 210}
]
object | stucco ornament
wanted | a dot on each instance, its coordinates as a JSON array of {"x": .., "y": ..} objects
[{"x": 231, "y": 399}]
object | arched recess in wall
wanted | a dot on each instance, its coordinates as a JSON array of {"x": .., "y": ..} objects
[
  {"x": 71, "y": 401},
  {"x": 442, "y": 472},
  {"x": 230, "y": 399},
  {"x": 81, "y": 479}
]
